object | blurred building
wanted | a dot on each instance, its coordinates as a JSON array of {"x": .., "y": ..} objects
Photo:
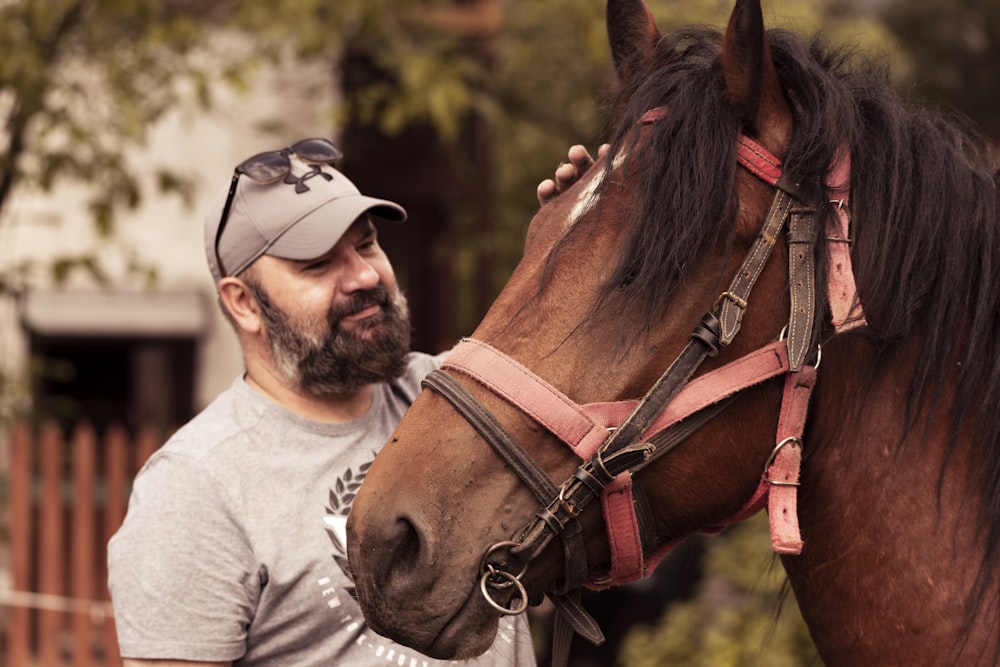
[{"x": 132, "y": 350}]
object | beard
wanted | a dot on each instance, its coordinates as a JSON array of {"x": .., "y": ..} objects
[{"x": 321, "y": 358}]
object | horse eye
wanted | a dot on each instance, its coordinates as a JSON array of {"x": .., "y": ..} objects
[{"x": 628, "y": 279}]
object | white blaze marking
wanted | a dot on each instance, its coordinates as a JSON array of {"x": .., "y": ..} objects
[
  {"x": 588, "y": 196},
  {"x": 586, "y": 201}
]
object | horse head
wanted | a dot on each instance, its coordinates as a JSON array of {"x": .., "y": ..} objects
[{"x": 644, "y": 375}]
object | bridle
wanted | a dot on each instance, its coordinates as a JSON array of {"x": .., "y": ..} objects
[{"x": 615, "y": 440}]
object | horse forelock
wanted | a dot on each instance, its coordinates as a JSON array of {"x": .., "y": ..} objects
[
  {"x": 681, "y": 169},
  {"x": 924, "y": 211}
]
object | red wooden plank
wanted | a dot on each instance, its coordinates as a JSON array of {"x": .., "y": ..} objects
[
  {"x": 83, "y": 541},
  {"x": 51, "y": 543},
  {"x": 19, "y": 619},
  {"x": 148, "y": 442},
  {"x": 116, "y": 476}
]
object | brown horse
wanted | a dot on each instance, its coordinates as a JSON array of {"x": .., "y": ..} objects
[{"x": 683, "y": 343}]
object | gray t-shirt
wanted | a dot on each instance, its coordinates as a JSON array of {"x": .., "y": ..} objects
[{"x": 233, "y": 545}]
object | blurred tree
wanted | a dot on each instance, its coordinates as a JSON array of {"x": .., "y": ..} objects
[
  {"x": 954, "y": 46},
  {"x": 80, "y": 82},
  {"x": 83, "y": 79},
  {"x": 743, "y": 615}
]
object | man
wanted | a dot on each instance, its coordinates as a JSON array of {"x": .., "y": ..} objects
[{"x": 233, "y": 548}]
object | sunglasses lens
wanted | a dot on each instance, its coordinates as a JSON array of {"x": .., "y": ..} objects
[
  {"x": 266, "y": 167},
  {"x": 272, "y": 166},
  {"x": 320, "y": 151}
]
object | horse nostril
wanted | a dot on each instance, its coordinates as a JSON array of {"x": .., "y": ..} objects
[
  {"x": 391, "y": 555},
  {"x": 390, "y": 549},
  {"x": 405, "y": 545}
]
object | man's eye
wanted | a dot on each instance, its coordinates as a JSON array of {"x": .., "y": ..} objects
[{"x": 317, "y": 265}]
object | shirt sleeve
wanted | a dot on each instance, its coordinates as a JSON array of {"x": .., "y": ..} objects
[{"x": 181, "y": 573}]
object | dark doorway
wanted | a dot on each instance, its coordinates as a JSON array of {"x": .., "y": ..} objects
[{"x": 135, "y": 382}]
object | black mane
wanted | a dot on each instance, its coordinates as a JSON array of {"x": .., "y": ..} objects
[{"x": 924, "y": 211}]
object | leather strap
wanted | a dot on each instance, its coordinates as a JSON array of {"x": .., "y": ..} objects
[
  {"x": 734, "y": 300},
  {"x": 801, "y": 237},
  {"x": 529, "y": 393},
  {"x": 783, "y": 472},
  {"x": 842, "y": 294},
  {"x": 845, "y": 306},
  {"x": 571, "y": 611},
  {"x": 624, "y": 535},
  {"x": 571, "y": 617},
  {"x": 585, "y": 427},
  {"x": 493, "y": 433},
  {"x": 757, "y": 160}
]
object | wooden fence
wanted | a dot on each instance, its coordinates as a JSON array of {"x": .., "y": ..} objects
[{"x": 64, "y": 501}]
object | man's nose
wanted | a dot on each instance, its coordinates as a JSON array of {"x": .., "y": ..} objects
[{"x": 360, "y": 275}]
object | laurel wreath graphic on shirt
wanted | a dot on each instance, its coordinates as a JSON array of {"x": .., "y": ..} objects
[{"x": 339, "y": 505}]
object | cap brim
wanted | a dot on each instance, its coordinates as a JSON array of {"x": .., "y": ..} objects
[{"x": 320, "y": 230}]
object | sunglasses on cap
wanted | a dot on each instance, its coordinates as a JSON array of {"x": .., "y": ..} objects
[{"x": 270, "y": 167}]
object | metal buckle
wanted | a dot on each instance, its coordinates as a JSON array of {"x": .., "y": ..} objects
[
  {"x": 773, "y": 456},
  {"x": 737, "y": 301},
  {"x": 563, "y": 502}
]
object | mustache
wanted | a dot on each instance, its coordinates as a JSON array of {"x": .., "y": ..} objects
[{"x": 358, "y": 301}]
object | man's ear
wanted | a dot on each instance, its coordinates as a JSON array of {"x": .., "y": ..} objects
[{"x": 237, "y": 298}]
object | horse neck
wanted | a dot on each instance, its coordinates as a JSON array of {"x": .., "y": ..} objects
[{"x": 889, "y": 522}]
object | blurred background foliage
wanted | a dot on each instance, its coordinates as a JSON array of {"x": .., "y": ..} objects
[
  {"x": 742, "y": 613},
  {"x": 82, "y": 81}
]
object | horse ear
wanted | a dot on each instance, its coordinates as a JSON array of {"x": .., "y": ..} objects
[
  {"x": 633, "y": 34},
  {"x": 752, "y": 80}
]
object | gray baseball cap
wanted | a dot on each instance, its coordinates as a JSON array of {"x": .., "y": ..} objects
[{"x": 300, "y": 217}]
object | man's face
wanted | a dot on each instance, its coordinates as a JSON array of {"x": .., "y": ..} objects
[{"x": 342, "y": 322}]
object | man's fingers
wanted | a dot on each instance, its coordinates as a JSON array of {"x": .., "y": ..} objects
[
  {"x": 568, "y": 173},
  {"x": 547, "y": 190},
  {"x": 580, "y": 158}
]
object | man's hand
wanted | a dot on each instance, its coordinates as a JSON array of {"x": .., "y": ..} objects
[{"x": 568, "y": 173}]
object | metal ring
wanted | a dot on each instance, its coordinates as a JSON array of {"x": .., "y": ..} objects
[
  {"x": 485, "y": 566},
  {"x": 488, "y": 580},
  {"x": 819, "y": 348}
]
